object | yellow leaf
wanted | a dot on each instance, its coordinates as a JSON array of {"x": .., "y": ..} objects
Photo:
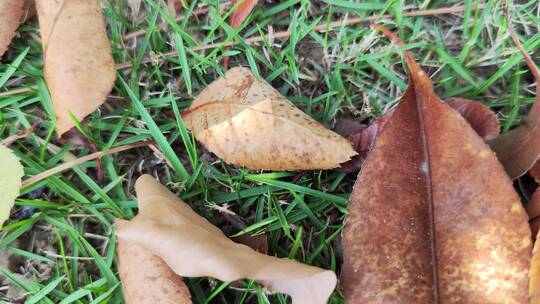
[
  {"x": 248, "y": 123},
  {"x": 78, "y": 64},
  {"x": 193, "y": 247},
  {"x": 10, "y": 181}
]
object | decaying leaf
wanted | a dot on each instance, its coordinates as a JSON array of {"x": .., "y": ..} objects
[
  {"x": 192, "y": 247},
  {"x": 433, "y": 217},
  {"x": 246, "y": 122},
  {"x": 11, "y": 12},
  {"x": 481, "y": 118},
  {"x": 519, "y": 149},
  {"x": 534, "y": 276},
  {"x": 146, "y": 279},
  {"x": 78, "y": 64},
  {"x": 10, "y": 181}
]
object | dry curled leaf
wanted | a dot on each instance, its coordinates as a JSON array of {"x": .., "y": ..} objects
[
  {"x": 481, "y": 118},
  {"x": 246, "y": 122},
  {"x": 193, "y": 247},
  {"x": 10, "y": 181},
  {"x": 11, "y": 12},
  {"x": 519, "y": 149},
  {"x": 78, "y": 64},
  {"x": 433, "y": 218},
  {"x": 146, "y": 279}
]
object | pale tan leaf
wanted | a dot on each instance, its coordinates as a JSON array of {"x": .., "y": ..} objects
[
  {"x": 246, "y": 122},
  {"x": 78, "y": 64},
  {"x": 11, "y": 12},
  {"x": 10, "y": 181},
  {"x": 146, "y": 279},
  {"x": 193, "y": 247},
  {"x": 534, "y": 275}
]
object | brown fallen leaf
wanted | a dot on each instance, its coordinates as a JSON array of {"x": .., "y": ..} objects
[
  {"x": 481, "y": 118},
  {"x": 78, "y": 64},
  {"x": 535, "y": 172},
  {"x": 519, "y": 149},
  {"x": 534, "y": 277},
  {"x": 11, "y": 12},
  {"x": 246, "y": 122},
  {"x": 146, "y": 279},
  {"x": 433, "y": 218},
  {"x": 193, "y": 247},
  {"x": 240, "y": 14}
]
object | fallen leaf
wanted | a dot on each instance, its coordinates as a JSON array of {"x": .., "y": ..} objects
[
  {"x": 519, "y": 149},
  {"x": 10, "y": 181},
  {"x": 534, "y": 277},
  {"x": 240, "y": 14},
  {"x": 535, "y": 172},
  {"x": 146, "y": 279},
  {"x": 533, "y": 211},
  {"x": 258, "y": 242},
  {"x": 78, "y": 64},
  {"x": 193, "y": 247},
  {"x": 11, "y": 12},
  {"x": 433, "y": 218},
  {"x": 246, "y": 122},
  {"x": 481, "y": 118}
]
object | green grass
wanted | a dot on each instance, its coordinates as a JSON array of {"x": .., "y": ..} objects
[{"x": 350, "y": 71}]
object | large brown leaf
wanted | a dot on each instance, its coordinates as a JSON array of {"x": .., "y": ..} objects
[
  {"x": 248, "y": 123},
  {"x": 146, "y": 279},
  {"x": 192, "y": 247},
  {"x": 11, "y": 12},
  {"x": 433, "y": 217},
  {"x": 78, "y": 64},
  {"x": 519, "y": 149},
  {"x": 481, "y": 118}
]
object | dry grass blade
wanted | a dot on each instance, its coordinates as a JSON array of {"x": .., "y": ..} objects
[
  {"x": 78, "y": 161},
  {"x": 319, "y": 28}
]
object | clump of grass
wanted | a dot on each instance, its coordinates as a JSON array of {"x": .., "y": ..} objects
[{"x": 349, "y": 71}]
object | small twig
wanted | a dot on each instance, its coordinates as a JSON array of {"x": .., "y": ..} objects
[
  {"x": 16, "y": 91},
  {"x": 319, "y": 28},
  {"x": 78, "y": 161},
  {"x": 515, "y": 38},
  {"x": 20, "y": 135}
]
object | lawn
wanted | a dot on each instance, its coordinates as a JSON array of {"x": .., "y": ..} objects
[{"x": 59, "y": 245}]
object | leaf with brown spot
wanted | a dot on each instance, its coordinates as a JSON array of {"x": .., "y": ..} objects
[
  {"x": 146, "y": 279},
  {"x": 246, "y": 122},
  {"x": 519, "y": 149},
  {"x": 78, "y": 64},
  {"x": 11, "y": 12},
  {"x": 193, "y": 247},
  {"x": 433, "y": 218}
]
